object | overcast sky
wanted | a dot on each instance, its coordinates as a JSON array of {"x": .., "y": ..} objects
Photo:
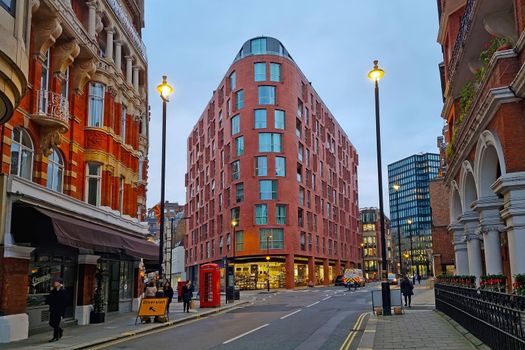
[{"x": 332, "y": 41}]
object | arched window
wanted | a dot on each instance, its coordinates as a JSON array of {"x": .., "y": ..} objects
[
  {"x": 22, "y": 154},
  {"x": 55, "y": 171}
]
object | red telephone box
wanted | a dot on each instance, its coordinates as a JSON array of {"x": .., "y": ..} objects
[{"x": 210, "y": 285}]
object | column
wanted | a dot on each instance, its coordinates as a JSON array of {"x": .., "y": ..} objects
[
  {"x": 326, "y": 272},
  {"x": 460, "y": 249},
  {"x": 14, "y": 281},
  {"x": 337, "y": 271},
  {"x": 470, "y": 220},
  {"x": 289, "y": 280},
  {"x": 512, "y": 187},
  {"x": 311, "y": 271},
  {"x": 92, "y": 19},
  {"x": 136, "y": 78},
  {"x": 109, "y": 43},
  {"x": 118, "y": 56},
  {"x": 129, "y": 68},
  {"x": 491, "y": 226},
  {"x": 87, "y": 268}
]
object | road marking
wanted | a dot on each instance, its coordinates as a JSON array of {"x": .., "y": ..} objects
[
  {"x": 290, "y": 314},
  {"x": 317, "y": 302},
  {"x": 246, "y": 333},
  {"x": 326, "y": 298},
  {"x": 353, "y": 333}
]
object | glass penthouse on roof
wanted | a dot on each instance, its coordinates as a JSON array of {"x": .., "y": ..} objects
[{"x": 262, "y": 46}]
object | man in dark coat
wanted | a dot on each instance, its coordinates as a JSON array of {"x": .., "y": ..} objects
[
  {"x": 406, "y": 290},
  {"x": 57, "y": 301},
  {"x": 187, "y": 295}
]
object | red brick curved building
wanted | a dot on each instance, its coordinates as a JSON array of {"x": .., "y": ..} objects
[{"x": 268, "y": 154}]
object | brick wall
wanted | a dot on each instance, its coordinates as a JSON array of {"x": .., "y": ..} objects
[
  {"x": 13, "y": 285},
  {"x": 441, "y": 238}
]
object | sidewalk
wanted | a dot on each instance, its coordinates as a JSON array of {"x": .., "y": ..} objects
[
  {"x": 420, "y": 327},
  {"x": 117, "y": 326}
]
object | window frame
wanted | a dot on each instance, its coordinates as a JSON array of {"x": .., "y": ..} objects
[
  {"x": 92, "y": 97},
  {"x": 269, "y": 98},
  {"x": 261, "y": 218},
  {"x": 235, "y": 121},
  {"x": 58, "y": 165},
  {"x": 272, "y": 72},
  {"x": 258, "y": 168},
  {"x": 273, "y": 191},
  {"x": 99, "y": 182},
  {"x": 257, "y": 76},
  {"x": 22, "y": 147},
  {"x": 259, "y": 124}
]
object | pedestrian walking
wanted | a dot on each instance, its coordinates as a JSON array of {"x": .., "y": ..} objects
[
  {"x": 187, "y": 295},
  {"x": 413, "y": 279},
  {"x": 168, "y": 293},
  {"x": 57, "y": 301},
  {"x": 418, "y": 278},
  {"x": 407, "y": 290}
]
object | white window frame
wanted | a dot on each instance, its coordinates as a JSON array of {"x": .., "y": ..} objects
[
  {"x": 93, "y": 97},
  {"x": 55, "y": 165},
  {"x": 21, "y": 148},
  {"x": 99, "y": 182}
]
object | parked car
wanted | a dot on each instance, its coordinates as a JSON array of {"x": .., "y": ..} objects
[{"x": 339, "y": 281}]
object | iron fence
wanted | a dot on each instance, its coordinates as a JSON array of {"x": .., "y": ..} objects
[{"x": 497, "y": 319}]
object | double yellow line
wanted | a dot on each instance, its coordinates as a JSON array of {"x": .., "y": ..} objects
[{"x": 353, "y": 333}]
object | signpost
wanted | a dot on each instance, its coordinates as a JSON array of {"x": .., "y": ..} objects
[{"x": 150, "y": 307}]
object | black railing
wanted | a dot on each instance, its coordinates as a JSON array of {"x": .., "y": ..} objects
[
  {"x": 497, "y": 319},
  {"x": 464, "y": 27}
]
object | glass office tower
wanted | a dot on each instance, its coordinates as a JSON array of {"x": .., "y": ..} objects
[{"x": 410, "y": 209}]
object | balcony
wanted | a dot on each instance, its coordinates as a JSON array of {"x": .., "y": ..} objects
[{"x": 51, "y": 110}]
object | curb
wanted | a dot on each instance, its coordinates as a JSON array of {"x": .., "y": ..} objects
[
  {"x": 156, "y": 327},
  {"x": 367, "y": 339}
]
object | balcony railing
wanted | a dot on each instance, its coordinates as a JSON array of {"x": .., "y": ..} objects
[
  {"x": 464, "y": 28},
  {"x": 497, "y": 319},
  {"x": 51, "y": 109}
]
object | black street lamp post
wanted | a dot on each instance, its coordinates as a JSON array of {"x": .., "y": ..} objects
[
  {"x": 396, "y": 188},
  {"x": 409, "y": 221},
  {"x": 165, "y": 91},
  {"x": 375, "y": 74}
]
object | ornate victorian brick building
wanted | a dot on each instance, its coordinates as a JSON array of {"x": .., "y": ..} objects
[
  {"x": 484, "y": 85},
  {"x": 73, "y": 174},
  {"x": 268, "y": 155}
]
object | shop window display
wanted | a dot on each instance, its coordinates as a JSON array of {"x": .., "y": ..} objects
[{"x": 253, "y": 276}]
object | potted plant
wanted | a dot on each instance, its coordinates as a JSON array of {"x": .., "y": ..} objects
[
  {"x": 98, "y": 315},
  {"x": 519, "y": 284}
]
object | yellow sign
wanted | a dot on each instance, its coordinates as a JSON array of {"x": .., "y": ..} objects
[{"x": 153, "y": 307}]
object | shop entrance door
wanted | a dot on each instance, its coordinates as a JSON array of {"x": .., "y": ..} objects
[{"x": 113, "y": 292}]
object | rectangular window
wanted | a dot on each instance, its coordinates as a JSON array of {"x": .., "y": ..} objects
[
  {"x": 236, "y": 124},
  {"x": 272, "y": 238},
  {"x": 258, "y": 46},
  {"x": 239, "y": 240},
  {"x": 275, "y": 72},
  {"x": 259, "y": 118},
  {"x": 280, "y": 214},
  {"x": 93, "y": 179},
  {"x": 303, "y": 240},
  {"x": 278, "y": 117},
  {"x": 300, "y": 151},
  {"x": 235, "y": 215},
  {"x": 96, "y": 105},
  {"x": 239, "y": 146},
  {"x": 301, "y": 195},
  {"x": 123, "y": 117},
  {"x": 267, "y": 189},
  {"x": 261, "y": 214},
  {"x": 239, "y": 192},
  {"x": 239, "y": 99},
  {"x": 259, "y": 71},
  {"x": 280, "y": 166},
  {"x": 266, "y": 95},
  {"x": 269, "y": 142},
  {"x": 233, "y": 81},
  {"x": 236, "y": 170},
  {"x": 9, "y": 6},
  {"x": 261, "y": 166}
]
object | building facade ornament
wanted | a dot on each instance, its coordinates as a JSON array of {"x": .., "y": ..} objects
[
  {"x": 45, "y": 35},
  {"x": 83, "y": 71},
  {"x": 64, "y": 55}
]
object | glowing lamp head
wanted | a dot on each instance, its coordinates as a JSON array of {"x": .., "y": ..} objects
[
  {"x": 409, "y": 221},
  {"x": 164, "y": 89},
  {"x": 235, "y": 223},
  {"x": 396, "y": 187},
  {"x": 267, "y": 258},
  {"x": 362, "y": 245},
  {"x": 376, "y": 73}
]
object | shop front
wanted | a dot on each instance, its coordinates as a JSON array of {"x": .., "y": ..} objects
[
  {"x": 255, "y": 275},
  {"x": 45, "y": 265},
  {"x": 301, "y": 274}
]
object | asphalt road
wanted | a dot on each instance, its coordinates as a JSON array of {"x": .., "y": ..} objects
[{"x": 318, "y": 318}]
